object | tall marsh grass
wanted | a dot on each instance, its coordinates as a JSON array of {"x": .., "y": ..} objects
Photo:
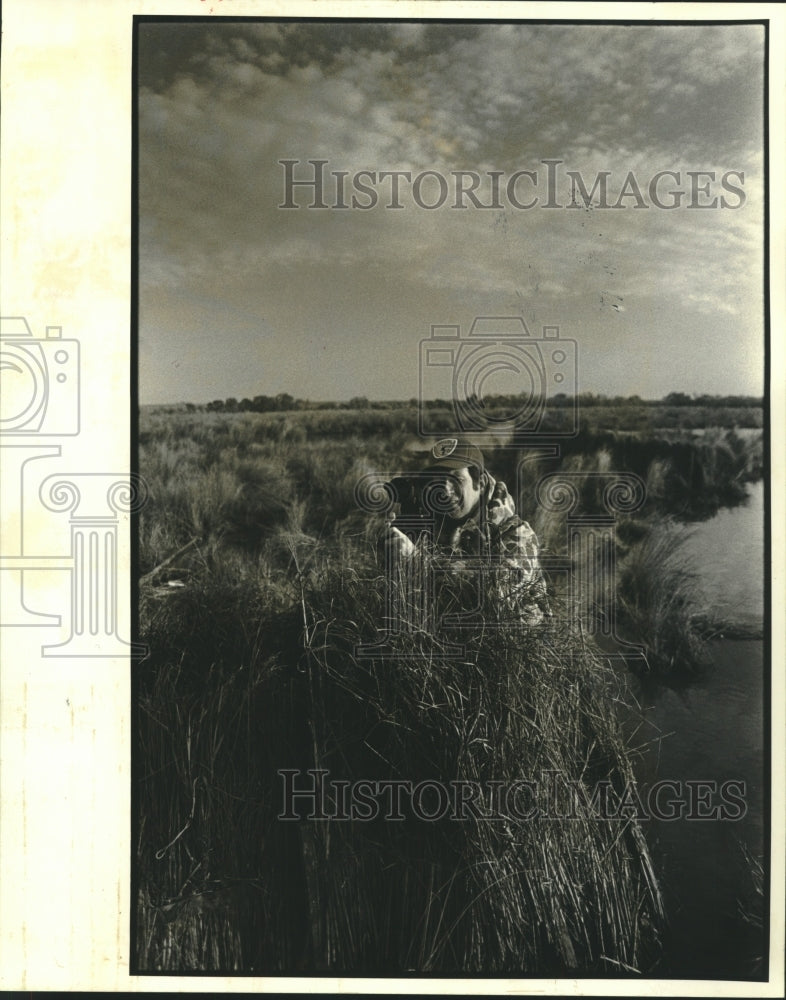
[
  {"x": 253, "y": 668},
  {"x": 534, "y": 895},
  {"x": 659, "y": 603},
  {"x": 246, "y": 681}
]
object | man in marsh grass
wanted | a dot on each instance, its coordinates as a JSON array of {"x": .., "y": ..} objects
[{"x": 454, "y": 510}]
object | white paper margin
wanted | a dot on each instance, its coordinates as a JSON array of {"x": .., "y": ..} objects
[{"x": 66, "y": 261}]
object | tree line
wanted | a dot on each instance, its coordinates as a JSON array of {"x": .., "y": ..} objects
[{"x": 283, "y": 402}]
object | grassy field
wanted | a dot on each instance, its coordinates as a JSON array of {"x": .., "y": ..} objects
[{"x": 253, "y": 667}]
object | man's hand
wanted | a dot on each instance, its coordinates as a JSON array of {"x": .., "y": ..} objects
[
  {"x": 395, "y": 542},
  {"x": 500, "y": 504}
]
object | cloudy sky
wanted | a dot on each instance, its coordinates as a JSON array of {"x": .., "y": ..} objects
[{"x": 239, "y": 297}]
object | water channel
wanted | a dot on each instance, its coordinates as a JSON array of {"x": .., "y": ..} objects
[{"x": 714, "y": 730}]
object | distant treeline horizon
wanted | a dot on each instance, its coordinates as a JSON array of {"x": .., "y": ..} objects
[{"x": 283, "y": 402}]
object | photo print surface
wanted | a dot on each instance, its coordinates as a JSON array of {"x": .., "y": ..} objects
[{"x": 453, "y": 423}]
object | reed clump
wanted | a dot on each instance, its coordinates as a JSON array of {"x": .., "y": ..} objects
[
  {"x": 213, "y": 872},
  {"x": 659, "y": 602},
  {"x": 486, "y": 701},
  {"x": 262, "y": 680}
]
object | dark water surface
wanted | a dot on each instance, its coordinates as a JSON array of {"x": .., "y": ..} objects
[
  {"x": 727, "y": 552},
  {"x": 713, "y": 731}
]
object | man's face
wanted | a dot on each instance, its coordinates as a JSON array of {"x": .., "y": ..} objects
[{"x": 456, "y": 489}]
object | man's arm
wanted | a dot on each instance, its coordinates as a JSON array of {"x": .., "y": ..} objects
[{"x": 518, "y": 553}]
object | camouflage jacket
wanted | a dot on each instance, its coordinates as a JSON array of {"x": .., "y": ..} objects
[{"x": 494, "y": 539}]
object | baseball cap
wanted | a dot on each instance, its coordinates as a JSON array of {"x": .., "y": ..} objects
[{"x": 454, "y": 453}]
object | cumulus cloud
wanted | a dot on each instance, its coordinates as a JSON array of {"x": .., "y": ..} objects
[{"x": 220, "y": 104}]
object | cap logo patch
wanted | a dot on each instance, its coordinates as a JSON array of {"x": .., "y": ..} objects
[{"x": 444, "y": 447}]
